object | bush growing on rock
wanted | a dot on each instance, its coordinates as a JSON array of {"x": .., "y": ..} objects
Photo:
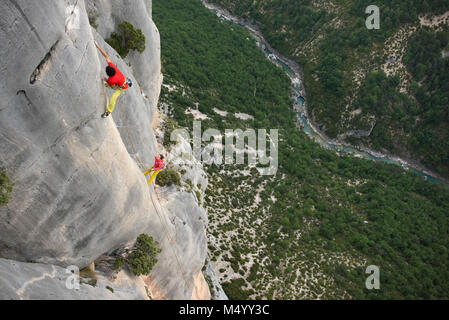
[
  {"x": 5, "y": 188},
  {"x": 167, "y": 178},
  {"x": 93, "y": 15},
  {"x": 142, "y": 260},
  {"x": 127, "y": 38},
  {"x": 119, "y": 262}
]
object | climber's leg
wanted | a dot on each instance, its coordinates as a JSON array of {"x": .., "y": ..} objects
[
  {"x": 153, "y": 176},
  {"x": 113, "y": 100},
  {"x": 147, "y": 172}
]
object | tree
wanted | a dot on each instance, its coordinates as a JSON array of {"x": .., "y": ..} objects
[
  {"x": 168, "y": 177},
  {"x": 142, "y": 260},
  {"x": 127, "y": 38}
]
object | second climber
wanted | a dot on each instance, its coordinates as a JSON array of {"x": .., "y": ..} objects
[{"x": 158, "y": 167}]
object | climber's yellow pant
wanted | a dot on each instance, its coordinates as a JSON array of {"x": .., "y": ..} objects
[
  {"x": 153, "y": 176},
  {"x": 113, "y": 100}
]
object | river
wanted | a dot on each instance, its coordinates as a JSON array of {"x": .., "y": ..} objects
[{"x": 293, "y": 70}]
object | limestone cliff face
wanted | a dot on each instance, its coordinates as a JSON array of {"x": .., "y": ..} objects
[
  {"x": 78, "y": 189},
  {"x": 25, "y": 281},
  {"x": 146, "y": 66}
]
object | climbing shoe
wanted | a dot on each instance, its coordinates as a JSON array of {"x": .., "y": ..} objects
[{"x": 104, "y": 115}]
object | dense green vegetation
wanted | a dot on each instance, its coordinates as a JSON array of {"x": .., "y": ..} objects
[
  {"x": 214, "y": 63},
  {"x": 333, "y": 44},
  {"x": 168, "y": 177},
  {"x": 142, "y": 257},
  {"x": 311, "y": 230},
  {"x": 234, "y": 289},
  {"x": 379, "y": 96},
  {"x": 5, "y": 188},
  {"x": 118, "y": 263},
  {"x": 431, "y": 88},
  {"x": 126, "y": 39}
]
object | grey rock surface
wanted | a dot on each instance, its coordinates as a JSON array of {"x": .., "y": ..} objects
[
  {"x": 184, "y": 224},
  {"x": 31, "y": 281},
  {"x": 217, "y": 292},
  {"x": 181, "y": 158},
  {"x": 78, "y": 189}
]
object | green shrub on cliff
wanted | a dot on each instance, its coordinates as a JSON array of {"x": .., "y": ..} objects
[
  {"x": 167, "y": 178},
  {"x": 127, "y": 38},
  {"x": 5, "y": 188},
  {"x": 142, "y": 260},
  {"x": 118, "y": 264},
  {"x": 93, "y": 16}
]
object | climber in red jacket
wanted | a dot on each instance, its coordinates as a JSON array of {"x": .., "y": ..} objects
[
  {"x": 157, "y": 167},
  {"x": 116, "y": 81},
  {"x": 158, "y": 162}
]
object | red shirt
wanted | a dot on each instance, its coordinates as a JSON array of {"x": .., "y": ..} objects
[
  {"x": 158, "y": 163},
  {"x": 118, "y": 78}
]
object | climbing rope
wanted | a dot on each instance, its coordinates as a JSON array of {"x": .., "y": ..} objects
[{"x": 167, "y": 233}]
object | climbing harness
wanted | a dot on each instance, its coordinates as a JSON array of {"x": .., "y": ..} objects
[
  {"x": 124, "y": 83},
  {"x": 153, "y": 176},
  {"x": 155, "y": 173}
]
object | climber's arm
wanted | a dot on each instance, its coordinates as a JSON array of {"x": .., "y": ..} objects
[{"x": 103, "y": 53}]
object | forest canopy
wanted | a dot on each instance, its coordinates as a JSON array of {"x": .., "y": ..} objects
[
  {"x": 336, "y": 50},
  {"x": 320, "y": 205}
]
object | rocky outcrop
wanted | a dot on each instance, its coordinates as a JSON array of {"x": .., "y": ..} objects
[
  {"x": 201, "y": 289},
  {"x": 35, "y": 281},
  {"x": 217, "y": 292},
  {"x": 78, "y": 189}
]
